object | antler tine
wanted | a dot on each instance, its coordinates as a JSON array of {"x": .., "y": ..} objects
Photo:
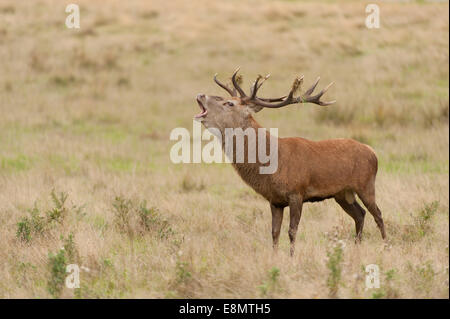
[
  {"x": 278, "y": 99},
  {"x": 305, "y": 98},
  {"x": 236, "y": 85},
  {"x": 255, "y": 87},
  {"x": 263, "y": 80},
  {"x": 311, "y": 89},
  {"x": 282, "y": 101},
  {"x": 289, "y": 99},
  {"x": 326, "y": 88},
  {"x": 223, "y": 86},
  {"x": 316, "y": 98}
]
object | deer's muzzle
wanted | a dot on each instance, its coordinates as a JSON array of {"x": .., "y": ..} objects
[{"x": 200, "y": 101}]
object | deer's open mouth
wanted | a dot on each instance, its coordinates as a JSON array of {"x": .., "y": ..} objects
[{"x": 204, "y": 110}]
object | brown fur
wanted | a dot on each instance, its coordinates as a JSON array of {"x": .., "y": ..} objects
[{"x": 308, "y": 171}]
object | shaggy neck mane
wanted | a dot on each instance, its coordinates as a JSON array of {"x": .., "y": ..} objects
[{"x": 250, "y": 172}]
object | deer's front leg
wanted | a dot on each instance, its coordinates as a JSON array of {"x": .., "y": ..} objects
[
  {"x": 277, "y": 219},
  {"x": 295, "y": 212}
]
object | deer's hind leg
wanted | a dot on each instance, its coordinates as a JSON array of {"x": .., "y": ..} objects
[
  {"x": 295, "y": 212},
  {"x": 367, "y": 196},
  {"x": 349, "y": 204}
]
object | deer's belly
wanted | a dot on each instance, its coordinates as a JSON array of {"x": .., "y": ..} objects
[{"x": 274, "y": 196}]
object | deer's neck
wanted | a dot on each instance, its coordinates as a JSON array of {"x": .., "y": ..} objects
[
  {"x": 252, "y": 135},
  {"x": 248, "y": 165}
]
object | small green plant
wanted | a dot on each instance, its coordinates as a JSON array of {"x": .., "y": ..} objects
[
  {"x": 31, "y": 225},
  {"x": 272, "y": 283},
  {"x": 150, "y": 220},
  {"x": 71, "y": 249},
  {"x": 135, "y": 218},
  {"x": 182, "y": 273},
  {"x": 378, "y": 294},
  {"x": 335, "y": 256},
  {"x": 421, "y": 225},
  {"x": 426, "y": 272},
  {"x": 107, "y": 263},
  {"x": 423, "y": 276},
  {"x": 387, "y": 290},
  {"x": 37, "y": 224},
  {"x": 24, "y": 272},
  {"x": 58, "y": 212},
  {"x": 122, "y": 208},
  {"x": 424, "y": 217},
  {"x": 24, "y": 229},
  {"x": 184, "y": 283},
  {"x": 390, "y": 276},
  {"x": 334, "y": 266},
  {"x": 56, "y": 264},
  {"x": 147, "y": 216}
]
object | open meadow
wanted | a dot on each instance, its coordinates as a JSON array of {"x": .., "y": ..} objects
[{"x": 85, "y": 172}]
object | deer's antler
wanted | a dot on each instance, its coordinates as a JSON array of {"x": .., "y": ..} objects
[
  {"x": 236, "y": 84},
  {"x": 275, "y": 102},
  {"x": 224, "y": 86},
  {"x": 305, "y": 98},
  {"x": 257, "y": 85}
]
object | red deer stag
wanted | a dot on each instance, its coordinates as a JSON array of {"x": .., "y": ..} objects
[{"x": 308, "y": 171}]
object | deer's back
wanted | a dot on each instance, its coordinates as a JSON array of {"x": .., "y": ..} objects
[{"x": 323, "y": 168}]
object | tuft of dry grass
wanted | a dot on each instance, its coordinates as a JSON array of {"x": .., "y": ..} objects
[{"x": 88, "y": 113}]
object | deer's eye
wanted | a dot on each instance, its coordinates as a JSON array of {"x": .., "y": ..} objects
[{"x": 228, "y": 103}]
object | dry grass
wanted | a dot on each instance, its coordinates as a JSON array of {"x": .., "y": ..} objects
[{"x": 88, "y": 112}]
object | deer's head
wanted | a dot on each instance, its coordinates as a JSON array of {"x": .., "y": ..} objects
[{"x": 235, "y": 111}]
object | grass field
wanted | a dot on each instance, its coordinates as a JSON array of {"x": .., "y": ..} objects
[{"x": 84, "y": 148}]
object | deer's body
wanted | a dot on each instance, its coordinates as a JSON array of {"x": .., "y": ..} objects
[
  {"x": 308, "y": 171},
  {"x": 306, "y": 168}
]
